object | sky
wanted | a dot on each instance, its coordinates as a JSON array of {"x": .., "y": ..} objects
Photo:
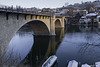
[{"x": 40, "y": 3}]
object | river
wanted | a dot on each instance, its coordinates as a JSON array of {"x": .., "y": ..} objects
[{"x": 75, "y": 42}]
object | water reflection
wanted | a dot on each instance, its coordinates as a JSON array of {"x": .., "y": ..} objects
[
  {"x": 30, "y": 51},
  {"x": 19, "y": 47},
  {"x": 44, "y": 46},
  {"x": 59, "y": 34},
  {"x": 38, "y": 51},
  {"x": 80, "y": 43}
]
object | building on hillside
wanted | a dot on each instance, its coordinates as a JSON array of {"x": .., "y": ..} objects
[
  {"x": 97, "y": 8},
  {"x": 97, "y": 2},
  {"x": 92, "y": 10},
  {"x": 90, "y": 18},
  {"x": 46, "y": 10},
  {"x": 32, "y": 9},
  {"x": 83, "y": 12},
  {"x": 61, "y": 11}
]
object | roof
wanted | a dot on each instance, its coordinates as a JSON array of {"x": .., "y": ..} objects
[
  {"x": 98, "y": 16},
  {"x": 83, "y": 17},
  {"x": 91, "y": 14}
]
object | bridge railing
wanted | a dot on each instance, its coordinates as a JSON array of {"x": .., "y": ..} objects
[
  {"x": 25, "y": 11},
  {"x": 21, "y": 10}
]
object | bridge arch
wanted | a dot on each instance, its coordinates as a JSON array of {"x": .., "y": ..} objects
[
  {"x": 57, "y": 23},
  {"x": 39, "y": 27}
]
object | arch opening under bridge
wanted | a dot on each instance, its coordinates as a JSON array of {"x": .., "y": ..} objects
[
  {"x": 57, "y": 23},
  {"x": 39, "y": 27}
]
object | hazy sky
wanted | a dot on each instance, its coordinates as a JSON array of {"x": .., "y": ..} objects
[{"x": 40, "y": 3}]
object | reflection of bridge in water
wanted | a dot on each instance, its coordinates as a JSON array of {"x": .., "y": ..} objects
[
  {"x": 12, "y": 20},
  {"x": 43, "y": 47}
]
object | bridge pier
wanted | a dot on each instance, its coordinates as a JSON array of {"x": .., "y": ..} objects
[
  {"x": 52, "y": 25},
  {"x": 62, "y": 21}
]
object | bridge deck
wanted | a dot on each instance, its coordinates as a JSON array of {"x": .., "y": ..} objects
[{"x": 27, "y": 12}]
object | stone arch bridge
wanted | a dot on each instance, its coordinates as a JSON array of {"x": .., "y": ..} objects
[{"x": 42, "y": 23}]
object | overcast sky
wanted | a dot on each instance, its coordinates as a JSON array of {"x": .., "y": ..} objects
[{"x": 40, "y": 3}]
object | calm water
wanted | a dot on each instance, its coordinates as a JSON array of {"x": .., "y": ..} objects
[{"x": 80, "y": 43}]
